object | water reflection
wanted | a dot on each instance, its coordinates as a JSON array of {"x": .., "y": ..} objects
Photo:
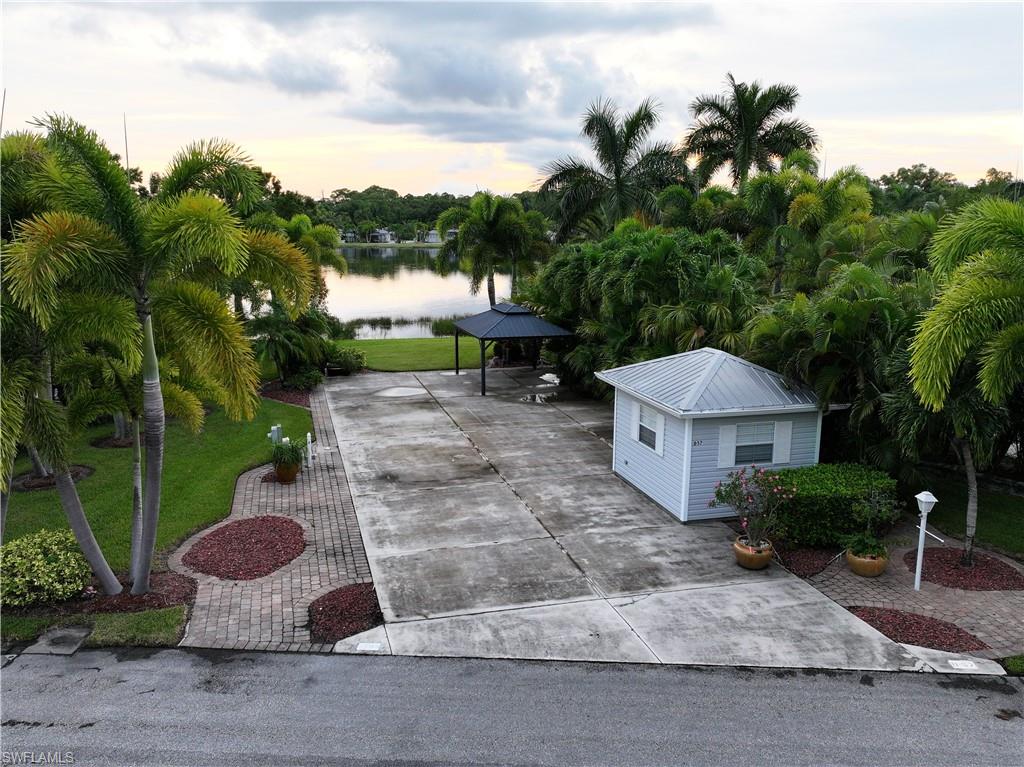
[{"x": 401, "y": 292}]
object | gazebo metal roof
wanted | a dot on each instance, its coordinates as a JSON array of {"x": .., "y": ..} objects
[
  {"x": 503, "y": 322},
  {"x": 509, "y": 321}
]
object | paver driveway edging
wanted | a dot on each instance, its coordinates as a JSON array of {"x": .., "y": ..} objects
[{"x": 272, "y": 612}]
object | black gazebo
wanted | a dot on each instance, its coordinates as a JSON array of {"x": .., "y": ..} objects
[{"x": 503, "y": 322}]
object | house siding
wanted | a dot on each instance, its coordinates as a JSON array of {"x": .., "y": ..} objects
[
  {"x": 658, "y": 476},
  {"x": 704, "y": 470}
]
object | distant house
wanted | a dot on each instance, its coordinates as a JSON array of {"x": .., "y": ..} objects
[
  {"x": 432, "y": 236},
  {"x": 451, "y": 234},
  {"x": 382, "y": 235},
  {"x": 351, "y": 236},
  {"x": 682, "y": 423}
]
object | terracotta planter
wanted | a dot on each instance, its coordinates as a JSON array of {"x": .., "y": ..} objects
[
  {"x": 868, "y": 566},
  {"x": 752, "y": 557},
  {"x": 285, "y": 473}
]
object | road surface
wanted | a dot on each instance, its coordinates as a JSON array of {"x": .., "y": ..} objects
[{"x": 176, "y": 707}]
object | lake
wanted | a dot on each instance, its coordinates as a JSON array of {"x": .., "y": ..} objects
[{"x": 400, "y": 292}]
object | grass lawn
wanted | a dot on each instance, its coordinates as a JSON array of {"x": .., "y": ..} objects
[
  {"x": 199, "y": 480},
  {"x": 1014, "y": 665},
  {"x": 149, "y": 628},
  {"x": 1000, "y": 516},
  {"x": 401, "y": 354}
]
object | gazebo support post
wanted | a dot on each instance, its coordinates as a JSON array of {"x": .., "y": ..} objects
[
  {"x": 483, "y": 368},
  {"x": 456, "y": 351}
]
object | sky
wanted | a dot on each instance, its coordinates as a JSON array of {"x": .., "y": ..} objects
[{"x": 430, "y": 97}]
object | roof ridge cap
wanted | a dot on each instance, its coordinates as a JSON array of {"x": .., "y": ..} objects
[{"x": 705, "y": 379}]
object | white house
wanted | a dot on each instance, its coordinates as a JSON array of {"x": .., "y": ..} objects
[
  {"x": 432, "y": 236},
  {"x": 682, "y": 423}
]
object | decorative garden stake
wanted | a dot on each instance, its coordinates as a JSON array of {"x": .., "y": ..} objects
[{"x": 925, "y": 502}]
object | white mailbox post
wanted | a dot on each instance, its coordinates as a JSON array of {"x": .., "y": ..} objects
[{"x": 925, "y": 503}]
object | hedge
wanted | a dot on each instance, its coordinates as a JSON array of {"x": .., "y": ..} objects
[
  {"x": 42, "y": 567},
  {"x": 820, "y": 514}
]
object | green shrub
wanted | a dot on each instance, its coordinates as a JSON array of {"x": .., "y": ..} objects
[
  {"x": 304, "y": 380},
  {"x": 43, "y": 567},
  {"x": 287, "y": 453},
  {"x": 821, "y": 513},
  {"x": 347, "y": 359}
]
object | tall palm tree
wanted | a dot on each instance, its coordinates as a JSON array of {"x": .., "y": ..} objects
[
  {"x": 158, "y": 255},
  {"x": 979, "y": 253},
  {"x": 629, "y": 172},
  {"x": 745, "y": 128},
  {"x": 494, "y": 231}
]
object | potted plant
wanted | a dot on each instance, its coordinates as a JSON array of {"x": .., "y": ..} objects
[
  {"x": 287, "y": 459},
  {"x": 866, "y": 552},
  {"x": 755, "y": 495}
]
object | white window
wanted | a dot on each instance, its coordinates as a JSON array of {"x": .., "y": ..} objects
[
  {"x": 647, "y": 428},
  {"x": 755, "y": 443}
]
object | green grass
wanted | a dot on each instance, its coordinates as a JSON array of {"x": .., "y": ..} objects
[
  {"x": 402, "y": 354},
  {"x": 1000, "y": 516},
  {"x": 148, "y": 628},
  {"x": 199, "y": 480},
  {"x": 1014, "y": 665}
]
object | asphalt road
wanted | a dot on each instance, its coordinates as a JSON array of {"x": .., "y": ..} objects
[{"x": 176, "y": 707}]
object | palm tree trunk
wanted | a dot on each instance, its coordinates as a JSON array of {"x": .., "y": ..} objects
[
  {"x": 239, "y": 309},
  {"x": 967, "y": 559},
  {"x": 153, "y": 414},
  {"x": 514, "y": 276},
  {"x": 5, "y": 500},
  {"x": 39, "y": 467},
  {"x": 136, "y": 502},
  {"x": 119, "y": 432},
  {"x": 72, "y": 505},
  {"x": 490, "y": 288}
]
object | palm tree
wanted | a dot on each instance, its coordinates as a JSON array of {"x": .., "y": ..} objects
[
  {"x": 159, "y": 255},
  {"x": 494, "y": 231},
  {"x": 629, "y": 172},
  {"x": 744, "y": 128},
  {"x": 979, "y": 253}
]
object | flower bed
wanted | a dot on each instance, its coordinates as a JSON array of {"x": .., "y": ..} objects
[
  {"x": 942, "y": 566},
  {"x": 919, "y": 630},
  {"x": 26, "y": 483},
  {"x": 247, "y": 549},
  {"x": 805, "y": 562},
  {"x": 275, "y": 391},
  {"x": 344, "y": 612},
  {"x": 166, "y": 589}
]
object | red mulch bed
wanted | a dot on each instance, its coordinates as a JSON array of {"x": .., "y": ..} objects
[
  {"x": 291, "y": 396},
  {"x": 166, "y": 589},
  {"x": 920, "y": 630},
  {"x": 344, "y": 612},
  {"x": 942, "y": 566},
  {"x": 247, "y": 548},
  {"x": 26, "y": 482},
  {"x": 113, "y": 442},
  {"x": 805, "y": 562}
]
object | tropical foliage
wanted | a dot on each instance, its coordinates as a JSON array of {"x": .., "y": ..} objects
[{"x": 629, "y": 173}]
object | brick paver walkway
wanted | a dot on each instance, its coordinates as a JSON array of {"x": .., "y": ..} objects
[
  {"x": 995, "y": 617},
  {"x": 271, "y": 613}
]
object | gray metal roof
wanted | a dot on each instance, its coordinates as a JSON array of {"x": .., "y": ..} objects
[
  {"x": 708, "y": 381},
  {"x": 509, "y": 321}
]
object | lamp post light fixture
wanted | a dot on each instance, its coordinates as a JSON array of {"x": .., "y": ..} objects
[{"x": 925, "y": 503}]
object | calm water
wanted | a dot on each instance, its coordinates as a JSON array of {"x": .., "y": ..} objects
[{"x": 402, "y": 284}]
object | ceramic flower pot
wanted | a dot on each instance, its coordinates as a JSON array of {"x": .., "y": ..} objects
[
  {"x": 752, "y": 557},
  {"x": 866, "y": 566},
  {"x": 286, "y": 472}
]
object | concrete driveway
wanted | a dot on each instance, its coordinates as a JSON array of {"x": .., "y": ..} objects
[{"x": 494, "y": 527}]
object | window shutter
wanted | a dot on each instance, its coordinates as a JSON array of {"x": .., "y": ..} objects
[
  {"x": 783, "y": 440},
  {"x": 727, "y": 446},
  {"x": 659, "y": 447}
]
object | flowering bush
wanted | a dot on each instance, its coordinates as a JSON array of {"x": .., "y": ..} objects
[
  {"x": 755, "y": 495},
  {"x": 42, "y": 567}
]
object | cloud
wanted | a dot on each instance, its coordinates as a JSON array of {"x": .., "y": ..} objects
[
  {"x": 460, "y": 72},
  {"x": 285, "y": 72},
  {"x": 502, "y": 20}
]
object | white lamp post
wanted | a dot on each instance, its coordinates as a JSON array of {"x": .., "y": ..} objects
[{"x": 925, "y": 502}]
